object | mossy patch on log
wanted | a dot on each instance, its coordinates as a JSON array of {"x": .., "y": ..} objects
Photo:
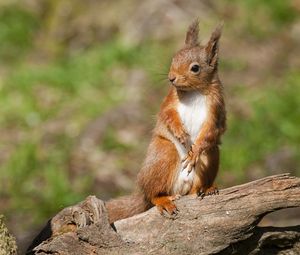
[{"x": 7, "y": 241}]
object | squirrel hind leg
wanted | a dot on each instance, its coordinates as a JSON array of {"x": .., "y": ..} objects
[
  {"x": 166, "y": 203},
  {"x": 207, "y": 172}
]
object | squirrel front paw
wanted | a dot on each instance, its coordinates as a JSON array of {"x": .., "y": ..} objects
[
  {"x": 182, "y": 136},
  {"x": 191, "y": 159}
]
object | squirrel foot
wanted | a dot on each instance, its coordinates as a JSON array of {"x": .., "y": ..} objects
[
  {"x": 213, "y": 190},
  {"x": 166, "y": 204}
]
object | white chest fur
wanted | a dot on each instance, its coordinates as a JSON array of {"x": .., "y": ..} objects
[{"x": 193, "y": 111}]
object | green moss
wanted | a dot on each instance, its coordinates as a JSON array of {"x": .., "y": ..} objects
[{"x": 7, "y": 241}]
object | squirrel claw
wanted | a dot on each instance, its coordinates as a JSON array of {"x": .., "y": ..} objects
[
  {"x": 190, "y": 161},
  {"x": 208, "y": 192},
  {"x": 167, "y": 212},
  {"x": 166, "y": 205},
  {"x": 201, "y": 194},
  {"x": 213, "y": 191},
  {"x": 183, "y": 138},
  {"x": 170, "y": 210},
  {"x": 188, "y": 167},
  {"x": 175, "y": 197},
  {"x": 185, "y": 164}
]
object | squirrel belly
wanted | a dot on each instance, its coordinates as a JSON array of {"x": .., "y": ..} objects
[
  {"x": 183, "y": 182},
  {"x": 193, "y": 111}
]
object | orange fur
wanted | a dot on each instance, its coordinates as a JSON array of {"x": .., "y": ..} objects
[
  {"x": 165, "y": 203},
  {"x": 156, "y": 176},
  {"x": 193, "y": 69},
  {"x": 126, "y": 206}
]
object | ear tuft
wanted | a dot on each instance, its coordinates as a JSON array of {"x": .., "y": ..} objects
[
  {"x": 212, "y": 47},
  {"x": 191, "y": 38}
]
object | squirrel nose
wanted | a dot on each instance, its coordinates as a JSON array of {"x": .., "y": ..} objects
[{"x": 172, "y": 79}]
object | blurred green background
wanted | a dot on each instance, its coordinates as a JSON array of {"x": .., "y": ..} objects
[{"x": 81, "y": 82}]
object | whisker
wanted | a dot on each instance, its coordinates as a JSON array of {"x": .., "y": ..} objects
[
  {"x": 161, "y": 79},
  {"x": 161, "y": 74}
]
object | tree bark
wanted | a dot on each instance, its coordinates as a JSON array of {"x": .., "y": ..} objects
[{"x": 221, "y": 224}]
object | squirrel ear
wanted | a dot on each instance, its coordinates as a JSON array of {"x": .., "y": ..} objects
[
  {"x": 212, "y": 47},
  {"x": 191, "y": 38}
]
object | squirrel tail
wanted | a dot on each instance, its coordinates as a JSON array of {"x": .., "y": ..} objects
[{"x": 126, "y": 206}]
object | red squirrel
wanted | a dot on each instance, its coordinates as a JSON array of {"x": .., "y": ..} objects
[{"x": 183, "y": 155}]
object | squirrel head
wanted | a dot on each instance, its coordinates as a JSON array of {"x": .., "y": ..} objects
[{"x": 194, "y": 66}]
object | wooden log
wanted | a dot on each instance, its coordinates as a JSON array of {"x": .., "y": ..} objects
[{"x": 221, "y": 224}]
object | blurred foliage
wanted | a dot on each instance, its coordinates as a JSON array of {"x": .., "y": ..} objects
[
  {"x": 274, "y": 122},
  {"x": 279, "y": 12},
  {"x": 17, "y": 27},
  {"x": 262, "y": 19},
  {"x": 47, "y": 102}
]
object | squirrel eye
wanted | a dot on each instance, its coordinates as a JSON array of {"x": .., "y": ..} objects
[{"x": 195, "y": 68}]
